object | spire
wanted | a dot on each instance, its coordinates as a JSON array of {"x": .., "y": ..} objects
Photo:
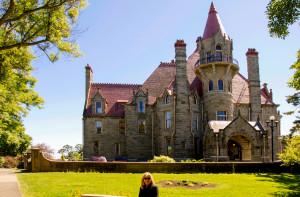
[{"x": 213, "y": 24}]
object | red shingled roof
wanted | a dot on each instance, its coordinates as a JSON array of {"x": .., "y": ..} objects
[
  {"x": 213, "y": 24},
  {"x": 112, "y": 93}
]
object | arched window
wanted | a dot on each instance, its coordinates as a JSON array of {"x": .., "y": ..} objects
[
  {"x": 210, "y": 86},
  {"x": 219, "y": 52},
  {"x": 220, "y": 84},
  {"x": 141, "y": 107}
]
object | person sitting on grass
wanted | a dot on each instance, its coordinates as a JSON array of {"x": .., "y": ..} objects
[{"x": 148, "y": 188}]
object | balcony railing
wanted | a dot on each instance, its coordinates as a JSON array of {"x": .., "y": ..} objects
[{"x": 216, "y": 59}]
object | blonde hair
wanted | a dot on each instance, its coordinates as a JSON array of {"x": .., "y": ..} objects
[{"x": 146, "y": 174}]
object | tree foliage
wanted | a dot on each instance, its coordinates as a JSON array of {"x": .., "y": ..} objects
[
  {"x": 282, "y": 14},
  {"x": 71, "y": 153},
  {"x": 47, "y": 25},
  {"x": 291, "y": 154}
]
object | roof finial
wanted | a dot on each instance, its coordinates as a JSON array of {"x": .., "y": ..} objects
[{"x": 212, "y": 8}]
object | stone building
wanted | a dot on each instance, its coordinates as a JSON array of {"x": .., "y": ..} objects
[{"x": 195, "y": 107}]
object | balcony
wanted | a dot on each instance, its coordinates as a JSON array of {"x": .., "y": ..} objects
[{"x": 216, "y": 59}]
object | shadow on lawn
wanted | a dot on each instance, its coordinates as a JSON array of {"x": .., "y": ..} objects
[{"x": 287, "y": 181}]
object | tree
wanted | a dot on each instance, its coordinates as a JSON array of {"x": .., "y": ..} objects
[
  {"x": 291, "y": 154},
  {"x": 47, "y": 151},
  {"x": 47, "y": 25},
  {"x": 70, "y": 153},
  {"x": 282, "y": 14}
]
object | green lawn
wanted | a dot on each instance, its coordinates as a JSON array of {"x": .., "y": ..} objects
[{"x": 127, "y": 184}]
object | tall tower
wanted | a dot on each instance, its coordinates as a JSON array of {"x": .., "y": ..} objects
[
  {"x": 182, "y": 133},
  {"x": 216, "y": 68},
  {"x": 253, "y": 84}
]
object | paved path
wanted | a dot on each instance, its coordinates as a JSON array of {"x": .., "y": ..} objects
[{"x": 9, "y": 186}]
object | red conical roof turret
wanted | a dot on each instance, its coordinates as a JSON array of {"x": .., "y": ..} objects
[{"x": 213, "y": 24}]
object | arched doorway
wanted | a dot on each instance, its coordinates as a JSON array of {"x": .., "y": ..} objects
[
  {"x": 239, "y": 148},
  {"x": 234, "y": 150}
]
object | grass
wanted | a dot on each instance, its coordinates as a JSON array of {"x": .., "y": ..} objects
[{"x": 127, "y": 184}]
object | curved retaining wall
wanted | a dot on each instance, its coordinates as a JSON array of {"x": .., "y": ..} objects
[{"x": 40, "y": 164}]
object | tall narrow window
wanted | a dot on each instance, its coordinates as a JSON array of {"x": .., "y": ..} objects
[
  {"x": 219, "y": 52},
  {"x": 168, "y": 119},
  {"x": 168, "y": 146},
  {"x": 195, "y": 120},
  {"x": 221, "y": 115},
  {"x": 142, "y": 126},
  {"x": 141, "y": 107},
  {"x": 167, "y": 99},
  {"x": 208, "y": 57},
  {"x": 220, "y": 84},
  {"x": 122, "y": 127},
  {"x": 98, "y": 107},
  {"x": 96, "y": 150},
  {"x": 117, "y": 148},
  {"x": 98, "y": 127},
  {"x": 210, "y": 86},
  {"x": 194, "y": 100},
  {"x": 227, "y": 57}
]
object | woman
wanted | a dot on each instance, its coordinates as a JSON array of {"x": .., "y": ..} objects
[{"x": 148, "y": 189}]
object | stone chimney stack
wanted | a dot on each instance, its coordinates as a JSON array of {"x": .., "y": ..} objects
[
  {"x": 254, "y": 84},
  {"x": 182, "y": 133},
  {"x": 88, "y": 79}
]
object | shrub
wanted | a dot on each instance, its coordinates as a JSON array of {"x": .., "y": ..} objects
[
  {"x": 194, "y": 160},
  {"x": 10, "y": 162},
  {"x": 162, "y": 158}
]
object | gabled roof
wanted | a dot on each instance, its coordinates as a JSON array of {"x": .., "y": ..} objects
[
  {"x": 213, "y": 24},
  {"x": 112, "y": 93},
  {"x": 159, "y": 80}
]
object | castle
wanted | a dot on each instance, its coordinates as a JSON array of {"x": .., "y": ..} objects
[{"x": 195, "y": 107}]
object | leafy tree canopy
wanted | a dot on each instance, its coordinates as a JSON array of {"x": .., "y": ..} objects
[
  {"x": 47, "y": 25},
  {"x": 291, "y": 154},
  {"x": 71, "y": 153},
  {"x": 282, "y": 14}
]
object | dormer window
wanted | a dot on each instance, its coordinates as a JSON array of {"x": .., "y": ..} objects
[
  {"x": 141, "y": 107},
  {"x": 220, "y": 84},
  {"x": 98, "y": 107},
  {"x": 167, "y": 99},
  {"x": 219, "y": 53},
  {"x": 210, "y": 86}
]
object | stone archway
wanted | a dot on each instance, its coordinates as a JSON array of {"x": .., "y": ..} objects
[{"x": 239, "y": 148}]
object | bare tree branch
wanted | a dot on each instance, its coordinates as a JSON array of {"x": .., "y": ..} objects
[{"x": 24, "y": 44}]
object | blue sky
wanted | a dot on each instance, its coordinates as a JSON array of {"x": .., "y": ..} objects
[{"x": 124, "y": 42}]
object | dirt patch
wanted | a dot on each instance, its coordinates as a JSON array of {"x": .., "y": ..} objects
[{"x": 186, "y": 184}]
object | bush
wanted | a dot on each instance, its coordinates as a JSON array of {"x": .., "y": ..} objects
[
  {"x": 194, "y": 160},
  {"x": 162, "y": 158},
  {"x": 10, "y": 162}
]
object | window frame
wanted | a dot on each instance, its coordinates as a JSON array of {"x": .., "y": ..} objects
[
  {"x": 96, "y": 108},
  {"x": 97, "y": 128},
  {"x": 221, "y": 117},
  {"x": 220, "y": 85},
  {"x": 208, "y": 57},
  {"x": 122, "y": 124},
  {"x": 210, "y": 85},
  {"x": 117, "y": 149},
  {"x": 139, "y": 127},
  {"x": 168, "y": 122},
  {"x": 219, "y": 52},
  {"x": 141, "y": 107}
]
